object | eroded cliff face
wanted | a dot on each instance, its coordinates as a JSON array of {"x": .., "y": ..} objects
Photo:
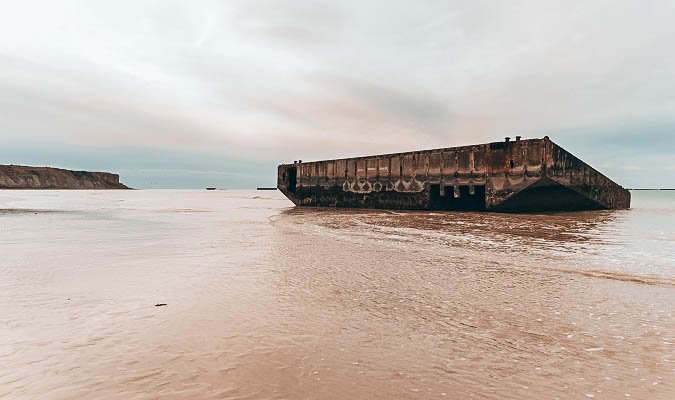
[{"x": 22, "y": 177}]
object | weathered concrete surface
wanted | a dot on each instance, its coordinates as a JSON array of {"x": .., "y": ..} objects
[
  {"x": 22, "y": 177},
  {"x": 510, "y": 176}
]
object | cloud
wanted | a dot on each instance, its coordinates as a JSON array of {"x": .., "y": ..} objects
[{"x": 269, "y": 81}]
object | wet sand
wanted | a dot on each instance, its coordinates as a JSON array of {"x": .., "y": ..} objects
[{"x": 267, "y": 301}]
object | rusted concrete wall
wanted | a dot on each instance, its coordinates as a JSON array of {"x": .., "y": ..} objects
[
  {"x": 571, "y": 172},
  {"x": 512, "y": 166},
  {"x": 422, "y": 179},
  {"x": 403, "y": 172},
  {"x": 516, "y": 167},
  {"x": 359, "y": 182}
]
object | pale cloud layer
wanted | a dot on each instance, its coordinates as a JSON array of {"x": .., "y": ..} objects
[{"x": 246, "y": 84}]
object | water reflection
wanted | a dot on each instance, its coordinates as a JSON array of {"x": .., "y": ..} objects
[{"x": 594, "y": 226}]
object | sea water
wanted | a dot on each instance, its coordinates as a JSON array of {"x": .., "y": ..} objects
[{"x": 236, "y": 294}]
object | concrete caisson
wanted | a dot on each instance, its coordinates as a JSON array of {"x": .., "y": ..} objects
[{"x": 510, "y": 176}]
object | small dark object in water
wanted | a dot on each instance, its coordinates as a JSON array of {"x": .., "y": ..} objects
[
  {"x": 160, "y": 304},
  {"x": 267, "y": 188},
  {"x": 210, "y": 188}
]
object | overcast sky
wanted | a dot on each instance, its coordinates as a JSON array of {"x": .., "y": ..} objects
[{"x": 194, "y": 93}]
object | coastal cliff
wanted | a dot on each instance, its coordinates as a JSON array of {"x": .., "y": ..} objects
[{"x": 22, "y": 177}]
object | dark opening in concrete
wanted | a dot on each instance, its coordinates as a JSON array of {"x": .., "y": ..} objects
[
  {"x": 467, "y": 201},
  {"x": 291, "y": 179}
]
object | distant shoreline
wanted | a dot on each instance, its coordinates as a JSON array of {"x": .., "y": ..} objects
[{"x": 22, "y": 177}]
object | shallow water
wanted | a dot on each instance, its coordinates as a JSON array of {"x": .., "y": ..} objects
[{"x": 268, "y": 301}]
